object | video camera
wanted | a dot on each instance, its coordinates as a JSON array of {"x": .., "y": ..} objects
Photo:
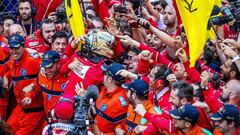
[
  {"x": 82, "y": 104},
  {"x": 230, "y": 13}
]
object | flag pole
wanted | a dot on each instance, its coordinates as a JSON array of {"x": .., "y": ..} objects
[{"x": 212, "y": 26}]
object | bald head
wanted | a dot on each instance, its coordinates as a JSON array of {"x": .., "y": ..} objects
[
  {"x": 234, "y": 85},
  {"x": 16, "y": 29},
  {"x": 234, "y": 91}
]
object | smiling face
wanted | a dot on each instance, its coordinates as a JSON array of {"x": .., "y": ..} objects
[
  {"x": 6, "y": 27},
  {"x": 17, "y": 53},
  {"x": 59, "y": 45},
  {"x": 51, "y": 71},
  {"x": 48, "y": 30}
]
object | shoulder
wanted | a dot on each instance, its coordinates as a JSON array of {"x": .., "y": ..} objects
[{"x": 206, "y": 132}]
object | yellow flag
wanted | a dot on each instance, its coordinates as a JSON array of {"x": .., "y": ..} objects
[
  {"x": 195, "y": 15},
  {"x": 210, "y": 33},
  {"x": 75, "y": 18}
]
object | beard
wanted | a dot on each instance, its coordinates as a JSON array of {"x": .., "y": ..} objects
[
  {"x": 226, "y": 77},
  {"x": 132, "y": 102},
  {"x": 27, "y": 18},
  {"x": 223, "y": 99},
  {"x": 46, "y": 41}
]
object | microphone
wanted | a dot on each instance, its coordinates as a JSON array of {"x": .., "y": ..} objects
[{"x": 92, "y": 92}]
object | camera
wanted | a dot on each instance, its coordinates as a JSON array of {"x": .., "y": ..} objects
[
  {"x": 120, "y": 9},
  {"x": 230, "y": 13},
  {"x": 82, "y": 104}
]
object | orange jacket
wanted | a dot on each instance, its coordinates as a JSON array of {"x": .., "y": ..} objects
[
  {"x": 4, "y": 58},
  {"x": 22, "y": 73},
  {"x": 217, "y": 132},
  {"x": 111, "y": 108},
  {"x": 52, "y": 88},
  {"x": 133, "y": 119},
  {"x": 196, "y": 130}
]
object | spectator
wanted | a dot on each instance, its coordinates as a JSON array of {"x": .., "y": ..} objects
[
  {"x": 7, "y": 20},
  {"x": 27, "y": 12},
  {"x": 229, "y": 119},
  {"x": 22, "y": 70}
]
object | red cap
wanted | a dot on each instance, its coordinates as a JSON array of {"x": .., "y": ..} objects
[
  {"x": 64, "y": 110},
  {"x": 114, "y": 2}
]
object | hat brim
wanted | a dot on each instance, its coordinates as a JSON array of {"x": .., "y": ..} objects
[
  {"x": 14, "y": 45},
  {"x": 46, "y": 64},
  {"x": 105, "y": 68},
  {"x": 216, "y": 117},
  {"x": 126, "y": 86},
  {"x": 175, "y": 114}
]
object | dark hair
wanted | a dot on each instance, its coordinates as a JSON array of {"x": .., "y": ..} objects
[
  {"x": 59, "y": 34},
  {"x": 135, "y": 3},
  {"x": 118, "y": 83},
  {"x": 236, "y": 122},
  {"x": 45, "y": 21},
  {"x": 185, "y": 90},
  {"x": 198, "y": 92},
  {"x": 162, "y": 72},
  {"x": 143, "y": 97},
  {"x": 235, "y": 68},
  {"x": 9, "y": 16},
  {"x": 163, "y": 3},
  {"x": 135, "y": 50},
  {"x": 30, "y": 1},
  {"x": 208, "y": 55}
]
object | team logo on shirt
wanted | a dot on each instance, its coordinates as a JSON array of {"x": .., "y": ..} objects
[
  {"x": 103, "y": 107},
  {"x": 23, "y": 72},
  {"x": 123, "y": 101},
  {"x": 63, "y": 86}
]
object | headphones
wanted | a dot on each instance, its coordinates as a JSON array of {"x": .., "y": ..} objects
[
  {"x": 1, "y": 20},
  {"x": 33, "y": 9}
]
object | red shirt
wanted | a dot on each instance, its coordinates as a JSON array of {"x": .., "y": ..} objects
[
  {"x": 229, "y": 34},
  {"x": 37, "y": 43}
]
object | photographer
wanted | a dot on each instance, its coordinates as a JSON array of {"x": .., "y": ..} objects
[
  {"x": 112, "y": 103},
  {"x": 83, "y": 117}
]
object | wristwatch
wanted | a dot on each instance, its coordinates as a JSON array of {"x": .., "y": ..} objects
[{"x": 235, "y": 58}]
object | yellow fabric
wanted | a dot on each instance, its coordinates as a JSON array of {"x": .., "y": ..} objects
[
  {"x": 195, "y": 15},
  {"x": 210, "y": 33},
  {"x": 75, "y": 17}
]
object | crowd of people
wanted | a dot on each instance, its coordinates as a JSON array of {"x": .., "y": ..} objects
[{"x": 135, "y": 52}]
